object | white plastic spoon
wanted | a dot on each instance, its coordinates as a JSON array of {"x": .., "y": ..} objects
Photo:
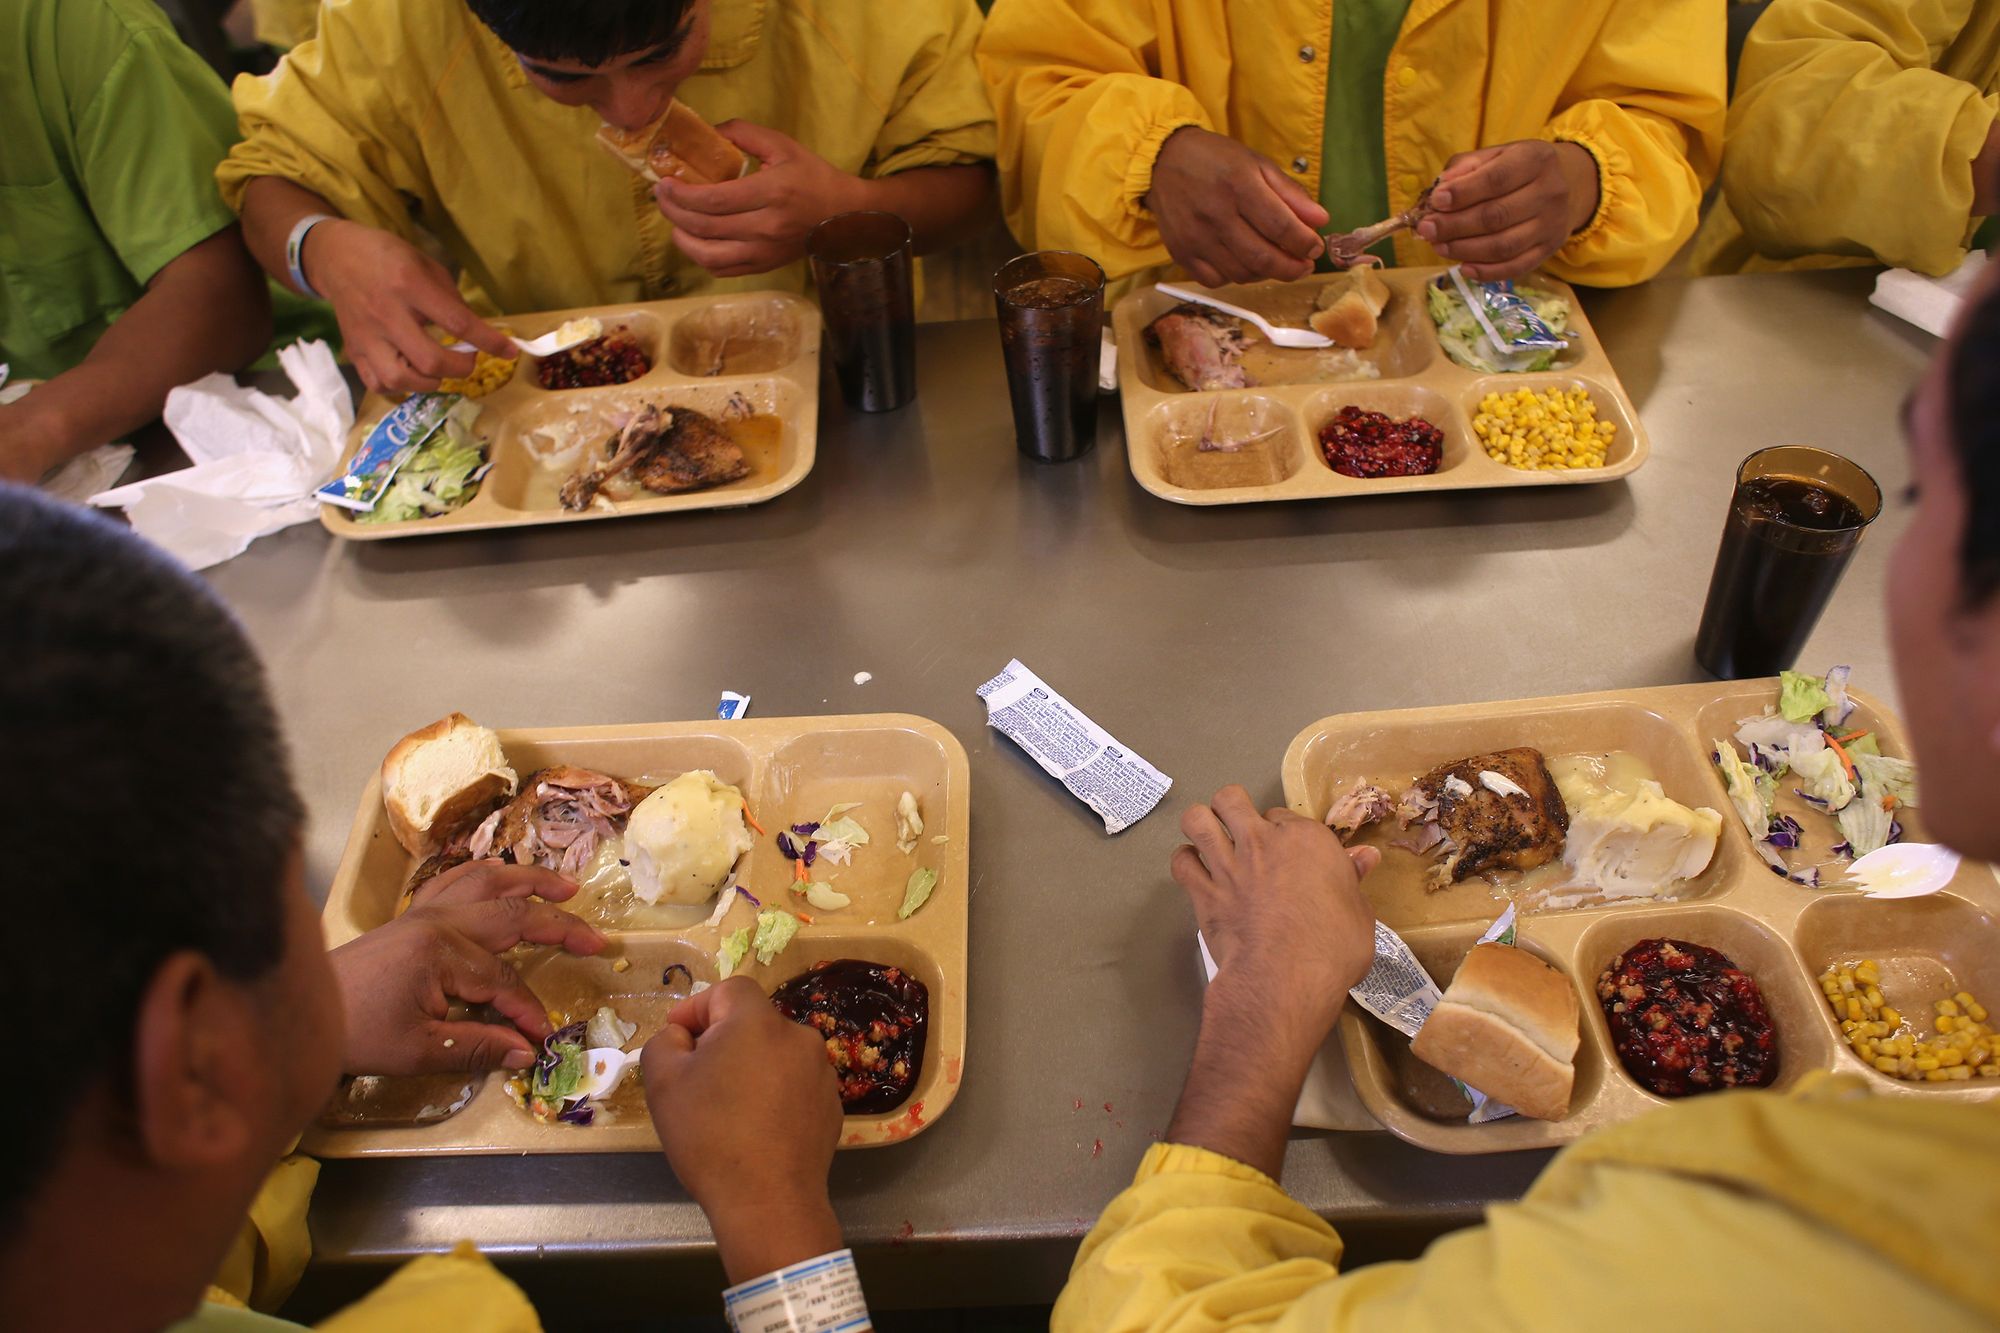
[
  {"x": 1904, "y": 870},
  {"x": 573, "y": 333},
  {"x": 1280, "y": 337},
  {"x": 603, "y": 1067}
]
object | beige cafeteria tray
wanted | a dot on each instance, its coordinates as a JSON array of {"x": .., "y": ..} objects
[
  {"x": 1781, "y": 933},
  {"x": 769, "y": 348},
  {"x": 790, "y": 770},
  {"x": 1164, "y": 421}
]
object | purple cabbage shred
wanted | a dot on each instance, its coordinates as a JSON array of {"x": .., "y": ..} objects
[
  {"x": 1808, "y": 877},
  {"x": 667, "y": 977},
  {"x": 1785, "y": 832},
  {"x": 1843, "y": 849},
  {"x": 577, "y": 1113},
  {"x": 747, "y": 894},
  {"x": 1895, "y": 830}
]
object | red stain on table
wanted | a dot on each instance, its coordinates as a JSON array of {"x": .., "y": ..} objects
[
  {"x": 1096, "y": 1149},
  {"x": 953, "y": 1068},
  {"x": 1107, "y": 1108},
  {"x": 907, "y": 1230},
  {"x": 1077, "y": 1105}
]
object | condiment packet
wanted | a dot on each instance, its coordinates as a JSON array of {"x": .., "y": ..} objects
[
  {"x": 732, "y": 706},
  {"x": 1398, "y": 991},
  {"x": 1516, "y": 333},
  {"x": 1120, "y": 786},
  {"x": 389, "y": 445}
]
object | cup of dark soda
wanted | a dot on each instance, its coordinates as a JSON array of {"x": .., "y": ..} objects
[{"x": 1795, "y": 517}]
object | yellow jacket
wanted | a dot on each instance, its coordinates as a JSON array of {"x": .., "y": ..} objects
[
  {"x": 412, "y": 115},
  {"x": 1852, "y": 135},
  {"x": 458, "y": 1290},
  {"x": 1740, "y": 1210},
  {"x": 1087, "y": 90},
  {"x": 284, "y": 23}
]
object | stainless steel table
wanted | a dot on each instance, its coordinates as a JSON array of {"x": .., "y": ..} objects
[{"x": 923, "y": 550}]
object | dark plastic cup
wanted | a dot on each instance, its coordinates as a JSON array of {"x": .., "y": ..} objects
[
  {"x": 1794, "y": 520},
  {"x": 1051, "y": 308},
  {"x": 861, "y": 265}
]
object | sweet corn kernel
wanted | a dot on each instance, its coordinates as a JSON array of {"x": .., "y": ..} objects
[
  {"x": 1976, "y": 1012},
  {"x": 1553, "y": 430},
  {"x": 1949, "y": 1008},
  {"x": 1944, "y": 1022},
  {"x": 1887, "y": 1064},
  {"x": 1891, "y": 1017},
  {"x": 1950, "y": 1056},
  {"x": 1867, "y": 972}
]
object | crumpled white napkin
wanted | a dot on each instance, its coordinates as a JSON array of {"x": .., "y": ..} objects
[
  {"x": 257, "y": 460},
  {"x": 1929, "y": 303}
]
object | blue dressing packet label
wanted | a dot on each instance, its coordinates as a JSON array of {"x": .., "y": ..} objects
[
  {"x": 388, "y": 446},
  {"x": 732, "y": 706}
]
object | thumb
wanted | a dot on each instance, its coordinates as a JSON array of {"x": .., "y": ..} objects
[
  {"x": 1293, "y": 195},
  {"x": 473, "y": 1046},
  {"x": 1365, "y": 860},
  {"x": 761, "y": 142}
]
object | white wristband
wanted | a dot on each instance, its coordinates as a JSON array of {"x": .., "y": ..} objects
[
  {"x": 295, "y": 247},
  {"x": 820, "y": 1295}
]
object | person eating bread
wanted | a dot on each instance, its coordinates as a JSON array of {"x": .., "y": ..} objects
[
  {"x": 1740, "y": 1209},
  {"x": 425, "y": 167}
]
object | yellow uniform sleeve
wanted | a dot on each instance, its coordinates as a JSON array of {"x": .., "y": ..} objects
[
  {"x": 271, "y": 1250},
  {"x": 1744, "y": 1210},
  {"x": 331, "y": 118},
  {"x": 1844, "y": 140},
  {"x": 940, "y": 116},
  {"x": 1084, "y": 103},
  {"x": 1648, "y": 103},
  {"x": 459, "y": 1290}
]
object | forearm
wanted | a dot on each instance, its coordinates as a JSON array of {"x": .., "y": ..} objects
[
  {"x": 272, "y": 206},
  {"x": 943, "y": 205},
  {"x": 1986, "y": 176},
  {"x": 759, "y": 1236},
  {"x": 1250, "y": 1062},
  {"x": 206, "y": 311}
]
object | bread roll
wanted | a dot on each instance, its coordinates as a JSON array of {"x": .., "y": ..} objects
[
  {"x": 436, "y": 776},
  {"x": 1507, "y": 1026},
  {"x": 679, "y": 144}
]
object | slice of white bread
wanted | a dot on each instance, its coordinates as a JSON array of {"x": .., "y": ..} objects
[
  {"x": 1507, "y": 1026},
  {"x": 437, "y": 775}
]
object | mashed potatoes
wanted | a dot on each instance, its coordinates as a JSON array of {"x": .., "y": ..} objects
[{"x": 684, "y": 839}]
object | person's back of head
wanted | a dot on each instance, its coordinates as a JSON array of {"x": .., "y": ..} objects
[
  {"x": 594, "y": 33},
  {"x": 167, "y": 966}
]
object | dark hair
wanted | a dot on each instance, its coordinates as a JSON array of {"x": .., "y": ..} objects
[
  {"x": 590, "y": 31},
  {"x": 148, "y": 809},
  {"x": 1972, "y": 390}
]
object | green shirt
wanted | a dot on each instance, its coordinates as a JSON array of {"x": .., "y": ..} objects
[
  {"x": 112, "y": 132},
  {"x": 1353, "y": 175}
]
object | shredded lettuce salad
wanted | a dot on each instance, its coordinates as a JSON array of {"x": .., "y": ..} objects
[
  {"x": 1464, "y": 341},
  {"x": 1806, "y": 742},
  {"x": 443, "y": 474}
]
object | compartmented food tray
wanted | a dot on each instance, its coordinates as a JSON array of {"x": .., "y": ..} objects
[
  {"x": 790, "y": 770},
  {"x": 1165, "y": 422},
  {"x": 751, "y": 358},
  {"x": 1783, "y": 934}
]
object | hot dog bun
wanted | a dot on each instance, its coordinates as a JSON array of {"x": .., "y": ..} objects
[{"x": 679, "y": 144}]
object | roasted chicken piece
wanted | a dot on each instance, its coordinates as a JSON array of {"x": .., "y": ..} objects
[
  {"x": 1498, "y": 811},
  {"x": 1350, "y": 248},
  {"x": 663, "y": 451},
  {"x": 1203, "y": 348}
]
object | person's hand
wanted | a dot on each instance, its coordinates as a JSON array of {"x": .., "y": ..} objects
[
  {"x": 761, "y": 221},
  {"x": 1279, "y": 901},
  {"x": 398, "y": 982},
  {"x": 385, "y": 292},
  {"x": 1986, "y": 176},
  {"x": 1230, "y": 215},
  {"x": 1500, "y": 211},
  {"x": 748, "y": 1110},
  {"x": 33, "y": 438}
]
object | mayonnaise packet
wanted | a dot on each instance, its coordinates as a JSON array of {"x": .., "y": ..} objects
[{"x": 1105, "y": 775}]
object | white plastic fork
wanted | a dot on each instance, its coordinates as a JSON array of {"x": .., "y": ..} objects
[
  {"x": 578, "y": 331},
  {"x": 1278, "y": 336},
  {"x": 603, "y": 1068}
]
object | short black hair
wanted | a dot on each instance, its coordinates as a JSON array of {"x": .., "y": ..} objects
[
  {"x": 590, "y": 31},
  {"x": 1972, "y": 389},
  {"x": 149, "y": 805}
]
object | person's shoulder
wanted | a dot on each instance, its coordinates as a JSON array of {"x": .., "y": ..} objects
[{"x": 87, "y": 42}]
